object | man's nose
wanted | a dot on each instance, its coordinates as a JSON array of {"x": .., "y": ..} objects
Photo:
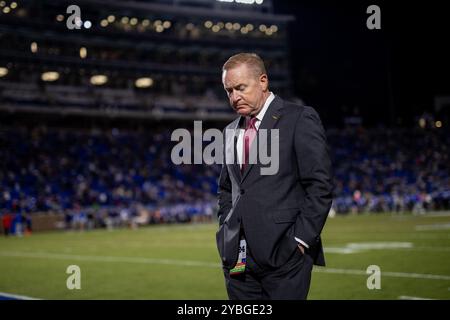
[{"x": 235, "y": 97}]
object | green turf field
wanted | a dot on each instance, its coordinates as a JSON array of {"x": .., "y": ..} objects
[{"x": 181, "y": 261}]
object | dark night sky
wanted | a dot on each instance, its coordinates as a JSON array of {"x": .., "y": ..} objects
[{"x": 389, "y": 75}]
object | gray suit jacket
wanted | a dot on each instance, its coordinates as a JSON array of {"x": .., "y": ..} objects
[{"x": 274, "y": 209}]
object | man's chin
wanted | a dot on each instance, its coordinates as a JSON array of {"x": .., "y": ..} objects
[{"x": 243, "y": 112}]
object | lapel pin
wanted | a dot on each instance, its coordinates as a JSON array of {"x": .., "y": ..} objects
[{"x": 275, "y": 117}]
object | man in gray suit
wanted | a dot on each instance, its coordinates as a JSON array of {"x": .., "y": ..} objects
[{"x": 270, "y": 225}]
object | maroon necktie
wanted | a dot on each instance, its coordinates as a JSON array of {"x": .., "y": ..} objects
[{"x": 249, "y": 135}]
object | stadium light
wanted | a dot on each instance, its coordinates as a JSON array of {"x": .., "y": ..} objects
[
  {"x": 104, "y": 23},
  {"x": 167, "y": 24},
  {"x": 145, "y": 23},
  {"x": 144, "y": 82},
  {"x": 3, "y": 71},
  {"x": 111, "y": 18},
  {"x": 438, "y": 124},
  {"x": 87, "y": 24},
  {"x": 208, "y": 24},
  {"x": 59, "y": 18},
  {"x": 6, "y": 9},
  {"x": 50, "y": 76},
  {"x": 2, "y": 4},
  {"x": 34, "y": 47},
  {"x": 13, "y": 5},
  {"x": 422, "y": 123},
  {"x": 99, "y": 79},
  {"x": 243, "y": 1},
  {"x": 83, "y": 52},
  {"x": 133, "y": 21},
  {"x": 125, "y": 20}
]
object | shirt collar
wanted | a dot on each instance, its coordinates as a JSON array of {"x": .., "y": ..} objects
[{"x": 261, "y": 113}]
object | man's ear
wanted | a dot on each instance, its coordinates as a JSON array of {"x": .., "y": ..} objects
[{"x": 264, "y": 82}]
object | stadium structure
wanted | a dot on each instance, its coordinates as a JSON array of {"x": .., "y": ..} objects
[{"x": 138, "y": 59}]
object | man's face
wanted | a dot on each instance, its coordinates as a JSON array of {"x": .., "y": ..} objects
[{"x": 246, "y": 91}]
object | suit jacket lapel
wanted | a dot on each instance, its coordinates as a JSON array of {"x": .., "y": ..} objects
[
  {"x": 269, "y": 122},
  {"x": 235, "y": 168}
]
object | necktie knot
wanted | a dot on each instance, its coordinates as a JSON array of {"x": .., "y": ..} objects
[{"x": 251, "y": 123}]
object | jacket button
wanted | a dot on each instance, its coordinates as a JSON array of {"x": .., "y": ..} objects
[{"x": 242, "y": 191}]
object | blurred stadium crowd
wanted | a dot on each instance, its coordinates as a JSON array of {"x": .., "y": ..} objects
[
  {"x": 104, "y": 177},
  {"x": 391, "y": 169},
  {"x": 111, "y": 177}
]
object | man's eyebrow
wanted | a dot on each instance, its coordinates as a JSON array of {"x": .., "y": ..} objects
[{"x": 235, "y": 86}]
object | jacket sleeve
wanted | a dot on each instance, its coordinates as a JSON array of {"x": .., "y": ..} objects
[
  {"x": 224, "y": 193},
  {"x": 224, "y": 190},
  {"x": 314, "y": 168}
]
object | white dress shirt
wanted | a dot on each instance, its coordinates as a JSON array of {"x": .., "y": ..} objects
[{"x": 259, "y": 117}]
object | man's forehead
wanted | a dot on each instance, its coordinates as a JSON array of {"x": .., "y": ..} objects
[{"x": 234, "y": 75}]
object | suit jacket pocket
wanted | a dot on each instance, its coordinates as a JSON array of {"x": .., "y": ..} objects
[{"x": 287, "y": 215}]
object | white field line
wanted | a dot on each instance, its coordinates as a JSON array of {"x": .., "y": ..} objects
[
  {"x": 190, "y": 263},
  {"x": 16, "y": 296},
  {"x": 437, "y": 226},
  {"x": 384, "y": 273},
  {"x": 380, "y": 245},
  {"x": 412, "y": 298},
  {"x": 58, "y": 256},
  {"x": 358, "y": 247},
  {"x": 341, "y": 250}
]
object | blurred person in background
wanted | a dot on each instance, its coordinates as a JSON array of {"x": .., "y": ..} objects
[{"x": 6, "y": 223}]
